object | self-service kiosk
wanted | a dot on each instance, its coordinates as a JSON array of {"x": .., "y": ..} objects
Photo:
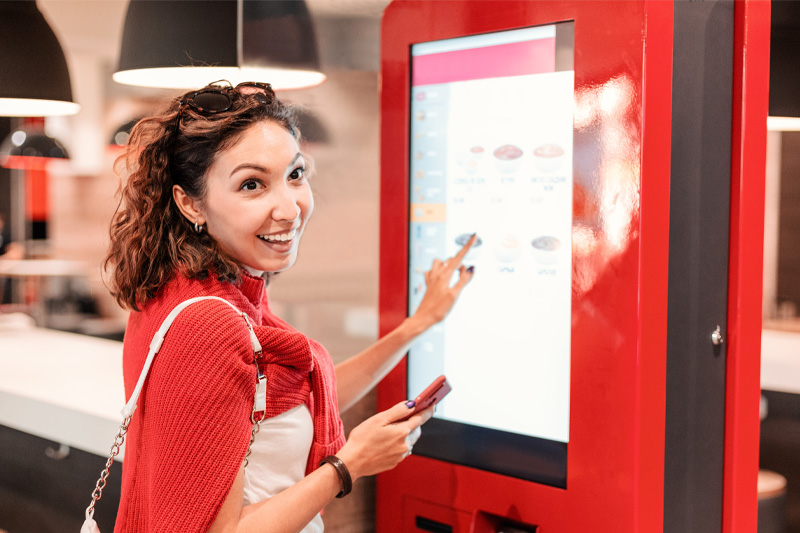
[{"x": 545, "y": 128}]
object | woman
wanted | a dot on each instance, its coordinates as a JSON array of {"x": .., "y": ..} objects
[{"x": 216, "y": 201}]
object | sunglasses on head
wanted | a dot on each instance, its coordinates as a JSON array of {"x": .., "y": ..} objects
[{"x": 220, "y": 98}]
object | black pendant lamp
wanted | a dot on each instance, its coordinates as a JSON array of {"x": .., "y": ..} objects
[
  {"x": 784, "y": 68},
  {"x": 190, "y": 43},
  {"x": 34, "y": 79},
  {"x": 122, "y": 134},
  {"x": 29, "y": 147}
]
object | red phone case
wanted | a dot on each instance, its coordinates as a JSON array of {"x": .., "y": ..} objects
[{"x": 432, "y": 395}]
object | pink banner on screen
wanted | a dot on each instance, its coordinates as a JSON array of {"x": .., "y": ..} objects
[{"x": 513, "y": 59}]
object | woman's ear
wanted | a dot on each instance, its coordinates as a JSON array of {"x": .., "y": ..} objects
[{"x": 188, "y": 205}]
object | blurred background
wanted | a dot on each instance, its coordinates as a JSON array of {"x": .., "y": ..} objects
[{"x": 55, "y": 212}]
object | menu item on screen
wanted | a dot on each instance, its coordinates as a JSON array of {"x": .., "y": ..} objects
[
  {"x": 508, "y": 248},
  {"x": 508, "y": 157},
  {"x": 549, "y": 157},
  {"x": 503, "y": 169},
  {"x": 464, "y": 238},
  {"x": 477, "y": 151},
  {"x": 546, "y": 249}
]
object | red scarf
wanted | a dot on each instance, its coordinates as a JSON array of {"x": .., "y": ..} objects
[{"x": 192, "y": 427}]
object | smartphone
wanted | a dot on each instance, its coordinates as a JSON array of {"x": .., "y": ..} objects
[{"x": 432, "y": 395}]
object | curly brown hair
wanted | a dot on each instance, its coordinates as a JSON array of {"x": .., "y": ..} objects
[{"x": 150, "y": 239}]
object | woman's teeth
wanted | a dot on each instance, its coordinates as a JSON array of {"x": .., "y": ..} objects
[{"x": 278, "y": 237}]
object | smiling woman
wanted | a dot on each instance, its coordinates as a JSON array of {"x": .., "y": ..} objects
[
  {"x": 258, "y": 199},
  {"x": 216, "y": 199},
  {"x": 168, "y": 155}
]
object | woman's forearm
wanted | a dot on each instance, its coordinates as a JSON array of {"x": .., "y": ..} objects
[
  {"x": 287, "y": 512},
  {"x": 295, "y": 507},
  {"x": 356, "y": 376},
  {"x": 376, "y": 445}
]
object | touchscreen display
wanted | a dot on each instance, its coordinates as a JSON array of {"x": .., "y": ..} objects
[{"x": 491, "y": 153}]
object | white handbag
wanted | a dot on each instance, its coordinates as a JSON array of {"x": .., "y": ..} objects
[{"x": 259, "y": 405}]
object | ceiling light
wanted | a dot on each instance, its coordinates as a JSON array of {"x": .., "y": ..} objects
[
  {"x": 783, "y": 123},
  {"x": 33, "y": 68},
  {"x": 188, "y": 44},
  {"x": 30, "y": 148}
]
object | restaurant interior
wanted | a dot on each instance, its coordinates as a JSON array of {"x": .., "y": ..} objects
[{"x": 60, "y": 328}]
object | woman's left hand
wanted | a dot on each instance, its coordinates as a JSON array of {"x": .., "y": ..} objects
[{"x": 439, "y": 295}]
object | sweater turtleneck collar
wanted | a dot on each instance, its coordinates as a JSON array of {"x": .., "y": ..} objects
[{"x": 252, "y": 287}]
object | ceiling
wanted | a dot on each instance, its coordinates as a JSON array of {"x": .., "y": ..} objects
[{"x": 348, "y": 31}]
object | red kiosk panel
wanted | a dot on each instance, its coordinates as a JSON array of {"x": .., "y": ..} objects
[{"x": 617, "y": 295}]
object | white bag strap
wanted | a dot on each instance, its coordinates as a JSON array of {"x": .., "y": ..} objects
[
  {"x": 158, "y": 339},
  {"x": 259, "y": 405}
]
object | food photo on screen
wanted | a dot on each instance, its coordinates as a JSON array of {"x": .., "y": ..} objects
[
  {"x": 546, "y": 249},
  {"x": 549, "y": 157},
  {"x": 508, "y": 157}
]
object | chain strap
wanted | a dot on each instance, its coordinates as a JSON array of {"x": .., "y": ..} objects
[
  {"x": 119, "y": 440},
  {"x": 256, "y": 429},
  {"x": 261, "y": 379}
]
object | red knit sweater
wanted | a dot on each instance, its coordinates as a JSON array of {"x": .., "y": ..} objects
[{"x": 190, "y": 432}]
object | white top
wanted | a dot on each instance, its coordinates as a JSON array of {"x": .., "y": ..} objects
[{"x": 278, "y": 458}]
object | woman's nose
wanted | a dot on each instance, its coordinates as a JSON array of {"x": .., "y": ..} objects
[{"x": 286, "y": 207}]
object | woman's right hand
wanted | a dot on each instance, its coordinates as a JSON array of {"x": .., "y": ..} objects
[{"x": 382, "y": 441}]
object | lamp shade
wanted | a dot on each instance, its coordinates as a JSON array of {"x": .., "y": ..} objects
[
  {"x": 188, "y": 44},
  {"x": 122, "y": 133},
  {"x": 29, "y": 148},
  {"x": 34, "y": 79}
]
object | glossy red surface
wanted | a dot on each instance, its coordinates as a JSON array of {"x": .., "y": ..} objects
[
  {"x": 623, "y": 73},
  {"x": 750, "y": 97}
]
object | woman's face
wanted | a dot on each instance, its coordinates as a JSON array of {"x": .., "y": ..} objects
[{"x": 258, "y": 199}]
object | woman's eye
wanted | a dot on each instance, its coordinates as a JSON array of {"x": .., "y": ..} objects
[
  {"x": 250, "y": 185},
  {"x": 297, "y": 174}
]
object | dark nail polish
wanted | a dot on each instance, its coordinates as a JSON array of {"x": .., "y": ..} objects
[
  {"x": 471, "y": 269},
  {"x": 411, "y": 404}
]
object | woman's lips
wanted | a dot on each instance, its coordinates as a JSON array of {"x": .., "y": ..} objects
[
  {"x": 279, "y": 246},
  {"x": 279, "y": 242}
]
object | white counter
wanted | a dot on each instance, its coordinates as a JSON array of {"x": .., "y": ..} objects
[
  {"x": 61, "y": 386},
  {"x": 68, "y": 388}
]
